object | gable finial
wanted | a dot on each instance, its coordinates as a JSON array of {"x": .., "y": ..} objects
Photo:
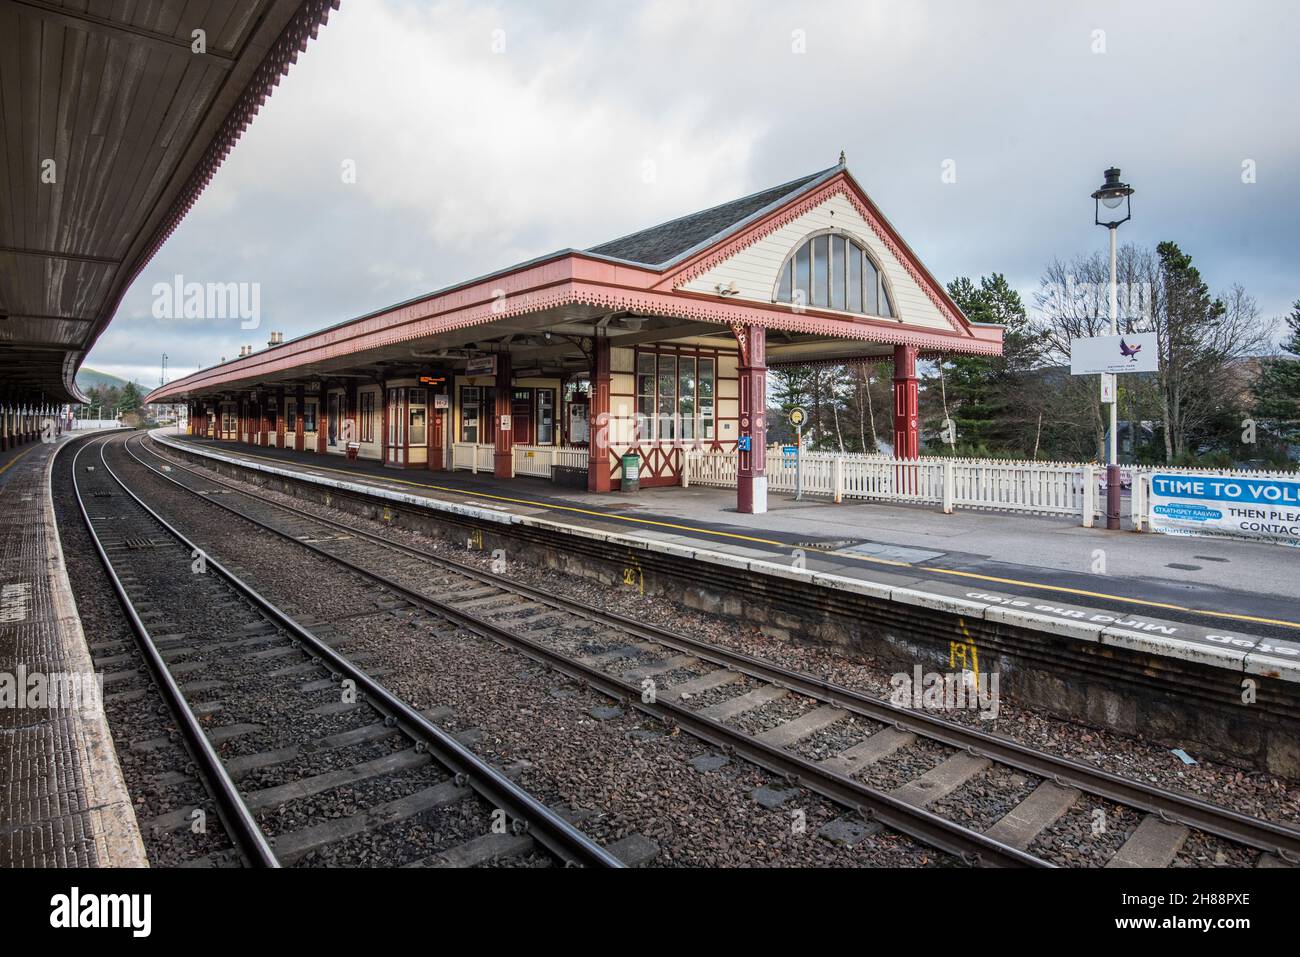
[{"x": 843, "y": 159}]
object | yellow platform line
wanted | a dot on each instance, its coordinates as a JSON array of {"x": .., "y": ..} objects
[
  {"x": 8, "y": 465},
  {"x": 929, "y": 569}
]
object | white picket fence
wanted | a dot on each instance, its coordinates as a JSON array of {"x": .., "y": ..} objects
[
  {"x": 1040, "y": 488},
  {"x": 534, "y": 460},
  {"x": 79, "y": 424},
  {"x": 1035, "y": 488}
]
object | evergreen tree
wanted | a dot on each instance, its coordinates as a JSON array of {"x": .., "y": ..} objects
[
  {"x": 1276, "y": 393},
  {"x": 130, "y": 398},
  {"x": 1203, "y": 340},
  {"x": 979, "y": 393},
  {"x": 789, "y": 387}
]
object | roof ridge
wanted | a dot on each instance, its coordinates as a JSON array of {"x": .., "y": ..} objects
[{"x": 786, "y": 189}]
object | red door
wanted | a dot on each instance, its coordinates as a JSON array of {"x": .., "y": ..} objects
[{"x": 521, "y": 416}]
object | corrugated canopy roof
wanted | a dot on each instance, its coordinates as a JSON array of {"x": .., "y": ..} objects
[{"x": 111, "y": 126}]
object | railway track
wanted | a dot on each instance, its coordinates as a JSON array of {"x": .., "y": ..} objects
[
  {"x": 662, "y": 673},
  {"x": 258, "y": 697}
]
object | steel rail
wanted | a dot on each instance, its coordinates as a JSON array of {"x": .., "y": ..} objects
[
  {"x": 234, "y": 814},
  {"x": 916, "y": 822},
  {"x": 544, "y": 825},
  {"x": 1169, "y": 805}
]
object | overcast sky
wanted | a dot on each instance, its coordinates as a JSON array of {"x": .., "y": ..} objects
[{"x": 483, "y": 134}]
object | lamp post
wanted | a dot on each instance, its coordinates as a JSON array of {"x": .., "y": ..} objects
[{"x": 1114, "y": 197}]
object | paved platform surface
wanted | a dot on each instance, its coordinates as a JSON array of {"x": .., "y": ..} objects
[
  {"x": 62, "y": 799},
  {"x": 1235, "y": 596}
]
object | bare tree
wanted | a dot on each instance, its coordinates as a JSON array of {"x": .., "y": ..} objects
[{"x": 1073, "y": 302}]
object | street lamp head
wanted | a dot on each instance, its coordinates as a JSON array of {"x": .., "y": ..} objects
[{"x": 1113, "y": 194}]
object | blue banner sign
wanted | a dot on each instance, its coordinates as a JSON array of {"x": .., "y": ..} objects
[{"x": 1233, "y": 506}]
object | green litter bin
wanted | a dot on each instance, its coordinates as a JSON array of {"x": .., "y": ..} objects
[{"x": 631, "y": 472}]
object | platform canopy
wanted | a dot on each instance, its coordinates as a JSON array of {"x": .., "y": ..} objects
[
  {"x": 768, "y": 259},
  {"x": 113, "y": 120}
]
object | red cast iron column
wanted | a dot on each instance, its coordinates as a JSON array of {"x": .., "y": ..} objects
[
  {"x": 751, "y": 470},
  {"x": 907, "y": 441},
  {"x": 502, "y": 462},
  {"x": 322, "y": 416},
  {"x": 383, "y": 419},
  {"x": 279, "y": 420},
  {"x": 598, "y": 479},
  {"x": 433, "y": 430}
]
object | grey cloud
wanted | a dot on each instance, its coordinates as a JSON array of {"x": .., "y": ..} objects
[{"x": 470, "y": 160}]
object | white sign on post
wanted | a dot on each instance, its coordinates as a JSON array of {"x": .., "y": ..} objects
[
  {"x": 1131, "y": 352},
  {"x": 1107, "y": 387}
]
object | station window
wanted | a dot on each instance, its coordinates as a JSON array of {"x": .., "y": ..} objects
[
  {"x": 309, "y": 416},
  {"x": 645, "y": 394},
  {"x": 675, "y": 396},
  {"x": 686, "y": 395},
  {"x": 332, "y": 423},
  {"x": 545, "y": 416},
  {"x": 290, "y": 415},
  {"x": 834, "y": 272},
  {"x": 666, "y": 416},
  {"x": 417, "y": 413},
  {"x": 367, "y": 417},
  {"x": 705, "y": 401},
  {"x": 396, "y": 426},
  {"x": 476, "y": 413}
]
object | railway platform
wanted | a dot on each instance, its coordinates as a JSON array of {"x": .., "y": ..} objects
[
  {"x": 1180, "y": 589},
  {"x": 63, "y": 802}
]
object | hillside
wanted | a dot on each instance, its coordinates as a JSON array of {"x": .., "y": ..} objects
[{"x": 91, "y": 379}]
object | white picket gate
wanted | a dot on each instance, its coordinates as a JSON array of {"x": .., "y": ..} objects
[
  {"x": 537, "y": 460},
  {"x": 532, "y": 460}
]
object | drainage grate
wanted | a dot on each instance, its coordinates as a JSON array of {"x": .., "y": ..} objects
[
  {"x": 140, "y": 543},
  {"x": 831, "y": 543}
]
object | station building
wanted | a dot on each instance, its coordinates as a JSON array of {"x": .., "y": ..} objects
[{"x": 648, "y": 345}]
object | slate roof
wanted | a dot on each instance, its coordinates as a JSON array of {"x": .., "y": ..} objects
[{"x": 660, "y": 245}]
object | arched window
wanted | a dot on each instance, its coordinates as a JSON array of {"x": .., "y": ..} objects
[{"x": 833, "y": 272}]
